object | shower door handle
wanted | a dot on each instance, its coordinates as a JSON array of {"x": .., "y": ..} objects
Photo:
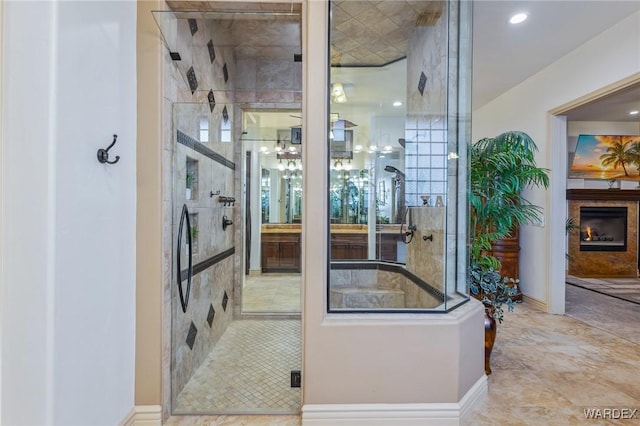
[{"x": 184, "y": 295}]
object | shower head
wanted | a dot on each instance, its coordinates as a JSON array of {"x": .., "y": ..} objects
[{"x": 391, "y": 169}]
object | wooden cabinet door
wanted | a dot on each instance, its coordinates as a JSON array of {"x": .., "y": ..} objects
[
  {"x": 339, "y": 250},
  {"x": 289, "y": 253},
  {"x": 349, "y": 247},
  {"x": 388, "y": 247},
  {"x": 281, "y": 252},
  {"x": 270, "y": 256}
]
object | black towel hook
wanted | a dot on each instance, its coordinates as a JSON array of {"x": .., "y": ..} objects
[{"x": 103, "y": 154}]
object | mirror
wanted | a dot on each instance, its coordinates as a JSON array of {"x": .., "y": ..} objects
[
  {"x": 281, "y": 194},
  {"x": 276, "y": 136}
]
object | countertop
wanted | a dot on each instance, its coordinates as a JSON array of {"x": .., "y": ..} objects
[{"x": 283, "y": 228}]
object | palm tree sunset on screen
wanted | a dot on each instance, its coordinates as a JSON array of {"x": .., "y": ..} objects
[
  {"x": 616, "y": 156},
  {"x": 606, "y": 157}
]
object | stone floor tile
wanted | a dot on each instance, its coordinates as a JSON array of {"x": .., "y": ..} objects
[{"x": 547, "y": 369}]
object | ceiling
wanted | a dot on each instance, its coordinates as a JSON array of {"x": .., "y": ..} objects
[
  {"x": 504, "y": 55},
  {"x": 614, "y": 107},
  {"x": 374, "y": 33}
]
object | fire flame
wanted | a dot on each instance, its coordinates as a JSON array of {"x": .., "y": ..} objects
[{"x": 589, "y": 236}]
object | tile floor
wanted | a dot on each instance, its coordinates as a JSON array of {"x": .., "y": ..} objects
[
  {"x": 248, "y": 371},
  {"x": 271, "y": 293},
  {"x": 622, "y": 288},
  {"x": 546, "y": 368}
]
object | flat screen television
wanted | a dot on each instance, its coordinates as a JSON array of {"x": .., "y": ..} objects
[{"x": 606, "y": 157}]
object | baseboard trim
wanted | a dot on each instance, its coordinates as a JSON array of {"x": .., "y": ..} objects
[
  {"x": 129, "y": 418},
  {"x": 436, "y": 414},
  {"x": 143, "y": 415},
  {"x": 474, "y": 396},
  {"x": 535, "y": 303}
]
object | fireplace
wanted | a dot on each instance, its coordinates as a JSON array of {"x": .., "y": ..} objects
[
  {"x": 603, "y": 228},
  {"x": 596, "y": 259}
]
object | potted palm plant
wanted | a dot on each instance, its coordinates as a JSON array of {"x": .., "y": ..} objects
[{"x": 500, "y": 168}]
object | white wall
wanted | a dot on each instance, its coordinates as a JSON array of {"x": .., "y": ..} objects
[
  {"x": 611, "y": 56},
  {"x": 68, "y": 284}
]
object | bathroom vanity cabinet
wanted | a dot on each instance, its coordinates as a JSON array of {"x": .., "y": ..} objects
[
  {"x": 388, "y": 240},
  {"x": 280, "y": 245},
  {"x": 349, "y": 242},
  {"x": 281, "y": 252}
]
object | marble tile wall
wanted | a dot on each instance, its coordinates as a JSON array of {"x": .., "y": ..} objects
[
  {"x": 414, "y": 296},
  {"x": 207, "y": 214},
  {"x": 209, "y": 75},
  {"x": 208, "y": 289},
  {"x": 425, "y": 127},
  {"x": 438, "y": 130},
  {"x": 183, "y": 110},
  {"x": 264, "y": 80},
  {"x": 426, "y": 258},
  {"x": 376, "y": 279}
]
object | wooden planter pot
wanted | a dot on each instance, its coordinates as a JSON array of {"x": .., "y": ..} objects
[
  {"x": 490, "y": 328},
  {"x": 507, "y": 250}
]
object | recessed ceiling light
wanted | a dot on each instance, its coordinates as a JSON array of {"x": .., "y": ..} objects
[
  {"x": 518, "y": 18},
  {"x": 633, "y": 112},
  {"x": 397, "y": 103}
]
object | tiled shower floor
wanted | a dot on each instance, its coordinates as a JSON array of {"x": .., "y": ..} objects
[{"x": 248, "y": 371}]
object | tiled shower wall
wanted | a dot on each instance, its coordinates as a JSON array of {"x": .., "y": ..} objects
[
  {"x": 425, "y": 258},
  {"x": 425, "y": 127},
  {"x": 209, "y": 310},
  {"x": 211, "y": 82},
  {"x": 435, "y": 136},
  {"x": 205, "y": 94}
]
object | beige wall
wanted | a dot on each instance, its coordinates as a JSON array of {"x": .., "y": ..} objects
[{"x": 149, "y": 218}]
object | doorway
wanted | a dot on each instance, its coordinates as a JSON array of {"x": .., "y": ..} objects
[
  {"x": 604, "y": 112},
  {"x": 273, "y": 216}
]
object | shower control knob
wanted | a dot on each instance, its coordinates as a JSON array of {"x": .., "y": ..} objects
[{"x": 226, "y": 222}]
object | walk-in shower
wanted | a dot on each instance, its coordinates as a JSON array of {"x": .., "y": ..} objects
[{"x": 224, "y": 64}]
